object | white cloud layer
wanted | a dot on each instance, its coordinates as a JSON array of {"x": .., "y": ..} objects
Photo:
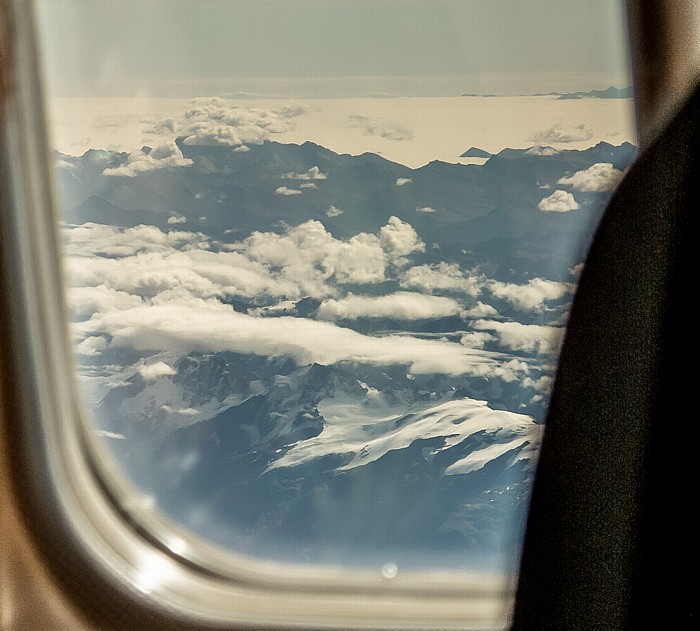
[
  {"x": 599, "y": 178},
  {"x": 84, "y": 301},
  {"x": 524, "y": 337},
  {"x": 402, "y": 181},
  {"x": 165, "y": 156},
  {"x": 441, "y": 277},
  {"x": 401, "y": 305},
  {"x": 210, "y": 326},
  {"x": 559, "y": 202},
  {"x": 531, "y": 296},
  {"x": 146, "y": 289}
]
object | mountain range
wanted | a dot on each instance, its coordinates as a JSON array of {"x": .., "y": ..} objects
[{"x": 353, "y": 460}]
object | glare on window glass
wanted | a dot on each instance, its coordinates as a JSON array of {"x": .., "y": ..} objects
[{"x": 319, "y": 257}]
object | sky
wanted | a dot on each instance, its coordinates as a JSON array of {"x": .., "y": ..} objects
[{"x": 330, "y": 48}]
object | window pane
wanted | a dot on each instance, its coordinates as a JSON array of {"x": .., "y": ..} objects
[{"x": 319, "y": 257}]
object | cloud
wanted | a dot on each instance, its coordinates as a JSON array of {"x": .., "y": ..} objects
[
  {"x": 425, "y": 209},
  {"x": 146, "y": 289},
  {"x": 165, "y": 156},
  {"x": 210, "y": 326},
  {"x": 175, "y": 219},
  {"x": 283, "y": 190},
  {"x": 402, "y": 181},
  {"x": 599, "y": 178},
  {"x": 558, "y": 202},
  {"x": 398, "y": 239},
  {"x": 443, "y": 276},
  {"x": 91, "y": 239},
  {"x": 383, "y": 129},
  {"x": 91, "y": 346},
  {"x": 112, "y": 268},
  {"x": 314, "y": 173},
  {"x": 400, "y": 305},
  {"x": 524, "y": 337},
  {"x": 151, "y": 372},
  {"x": 308, "y": 185},
  {"x": 84, "y": 301},
  {"x": 562, "y": 134},
  {"x": 219, "y": 121},
  {"x": 334, "y": 212},
  {"x": 576, "y": 270},
  {"x": 311, "y": 256},
  {"x": 533, "y": 295},
  {"x": 480, "y": 310},
  {"x": 476, "y": 339}
]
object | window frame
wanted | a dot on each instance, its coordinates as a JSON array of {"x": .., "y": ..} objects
[{"x": 75, "y": 518}]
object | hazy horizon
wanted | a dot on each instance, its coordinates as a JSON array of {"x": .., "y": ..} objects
[{"x": 336, "y": 48}]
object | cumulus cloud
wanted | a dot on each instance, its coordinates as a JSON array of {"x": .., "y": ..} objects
[
  {"x": 146, "y": 289},
  {"x": 524, "y": 337},
  {"x": 175, "y": 219},
  {"x": 210, "y": 326},
  {"x": 314, "y": 173},
  {"x": 447, "y": 277},
  {"x": 398, "y": 239},
  {"x": 563, "y": 134},
  {"x": 425, "y": 209},
  {"x": 309, "y": 255},
  {"x": 402, "y": 181},
  {"x": 165, "y": 156},
  {"x": 334, "y": 212},
  {"x": 151, "y": 372},
  {"x": 599, "y": 178},
  {"x": 219, "y": 121},
  {"x": 401, "y": 305},
  {"x": 531, "y": 296},
  {"x": 112, "y": 268},
  {"x": 308, "y": 185},
  {"x": 558, "y": 202},
  {"x": 148, "y": 263},
  {"x": 383, "y": 129},
  {"x": 283, "y": 190}
]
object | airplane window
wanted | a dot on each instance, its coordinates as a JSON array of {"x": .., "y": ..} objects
[{"x": 318, "y": 263}]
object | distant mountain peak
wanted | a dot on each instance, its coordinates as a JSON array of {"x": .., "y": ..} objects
[
  {"x": 475, "y": 152},
  {"x": 609, "y": 93}
]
